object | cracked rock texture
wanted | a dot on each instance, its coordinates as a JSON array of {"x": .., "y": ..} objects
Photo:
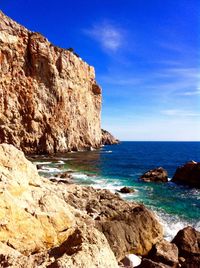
[
  {"x": 38, "y": 228},
  {"x": 49, "y": 99},
  {"x": 53, "y": 224}
]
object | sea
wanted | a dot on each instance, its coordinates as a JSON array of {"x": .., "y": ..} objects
[{"x": 115, "y": 166}]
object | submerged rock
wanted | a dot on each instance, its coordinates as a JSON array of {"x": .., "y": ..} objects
[
  {"x": 188, "y": 174},
  {"x": 126, "y": 190},
  {"x": 155, "y": 175}
]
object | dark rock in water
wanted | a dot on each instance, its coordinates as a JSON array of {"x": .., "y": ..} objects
[
  {"x": 126, "y": 190},
  {"x": 155, "y": 175},
  {"x": 188, "y": 174},
  {"x": 108, "y": 138},
  {"x": 64, "y": 175},
  {"x": 188, "y": 242},
  {"x": 165, "y": 252},
  {"x": 147, "y": 263}
]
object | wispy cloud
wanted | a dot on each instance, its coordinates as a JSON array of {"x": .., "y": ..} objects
[
  {"x": 191, "y": 93},
  {"x": 109, "y": 36},
  {"x": 176, "y": 112}
]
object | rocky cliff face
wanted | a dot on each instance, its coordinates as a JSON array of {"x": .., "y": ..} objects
[{"x": 49, "y": 99}]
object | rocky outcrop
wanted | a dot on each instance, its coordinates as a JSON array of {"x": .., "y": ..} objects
[
  {"x": 188, "y": 174},
  {"x": 38, "y": 228},
  {"x": 50, "y": 224},
  {"x": 128, "y": 227},
  {"x": 188, "y": 242},
  {"x": 49, "y": 99},
  {"x": 155, "y": 175},
  {"x": 107, "y": 138}
]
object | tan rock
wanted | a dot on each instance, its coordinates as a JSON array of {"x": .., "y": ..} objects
[
  {"x": 38, "y": 228},
  {"x": 49, "y": 99}
]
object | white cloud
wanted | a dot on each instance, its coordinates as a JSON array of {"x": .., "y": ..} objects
[
  {"x": 108, "y": 35},
  {"x": 192, "y": 93},
  {"x": 176, "y": 112}
]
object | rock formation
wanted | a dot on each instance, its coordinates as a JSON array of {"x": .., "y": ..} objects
[
  {"x": 188, "y": 242},
  {"x": 108, "y": 138},
  {"x": 50, "y": 224},
  {"x": 49, "y": 99},
  {"x": 155, "y": 175},
  {"x": 188, "y": 174},
  {"x": 38, "y": 228}
]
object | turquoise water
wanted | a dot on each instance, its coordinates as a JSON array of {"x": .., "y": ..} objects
[{"x": 121, "y": 165}]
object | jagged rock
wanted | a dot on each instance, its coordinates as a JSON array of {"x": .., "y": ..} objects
[
  {"x": 128, "y": 227},
  {"x": 188, "y": 174},
  {"x": 165, "y": 252},
  {"x": 126, "y": 190},
  {"x": 38, "y": 227},
  {"x": 82, "y": 255},
  {"x": 155, "y": 175},
  {"x": 188, "y": 242},
  {"x": 107, "y": 138},
  {"x": 49, "y": 99}
]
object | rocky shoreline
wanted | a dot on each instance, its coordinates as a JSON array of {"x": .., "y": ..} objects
[{"x": 54, "y": 224}]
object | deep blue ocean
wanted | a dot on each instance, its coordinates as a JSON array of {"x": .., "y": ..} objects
[{"x": 115, "y": 166}]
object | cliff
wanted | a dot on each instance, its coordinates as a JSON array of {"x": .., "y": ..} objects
[{"x": 49, "y": 99}]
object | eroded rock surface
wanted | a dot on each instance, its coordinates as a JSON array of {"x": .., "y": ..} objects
[
  {"x": 188, "y": 242},
  {"x": 128, "y": 227},
  {"x": 49, "y": 99},
  {"x": 188, "y": 174},
  {"x": 50, "y": 224}
]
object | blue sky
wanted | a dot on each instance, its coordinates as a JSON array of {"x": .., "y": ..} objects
[{"x": 146, "y": 56}]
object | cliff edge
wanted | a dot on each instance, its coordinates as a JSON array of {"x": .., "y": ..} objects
[{"x": 49, "y": 99}]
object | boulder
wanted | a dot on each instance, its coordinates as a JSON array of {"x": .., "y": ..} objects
[
  {"x": 188, "y": 174},
  {"x": 188, "y": 242},
  {"x": 126, "y": 190},
  {"x": 165, "y": 252},
  {"x": 155, "y": 175},
  {"x": 128, "y": 227}
]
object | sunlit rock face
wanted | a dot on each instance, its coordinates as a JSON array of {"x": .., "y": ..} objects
[{"x": 49, "y": 99}]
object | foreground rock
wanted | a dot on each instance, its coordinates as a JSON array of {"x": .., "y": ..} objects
[
  {"x": 188, "y": 174},
  {"x": 49, "y": 98},
  {"x": 155, "y": 175},
  {"x": 38, "y": 227},
  {"x": 188, "y": 242},
  {"x": 47, "y": 224},
  {"x": 107, "y": 138},
  {"x": 128, "y": 227}
]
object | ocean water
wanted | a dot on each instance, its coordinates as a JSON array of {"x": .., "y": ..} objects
[{"x": 115, "y": 166}]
